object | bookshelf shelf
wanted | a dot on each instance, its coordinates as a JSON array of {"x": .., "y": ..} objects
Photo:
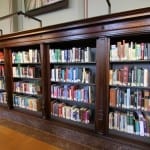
[
  {"x": 27, "y": 78},
  {"x": 73, "y": 102},
  {"x": 28, "y": 111},
  {"x": 2, "y": 77},
  {"x": 68, "y": 121},
  {"x": 73, "y": 63},
  {"x": 130, "y": 62},
  {"x": 25, "y": 64},
  {"x": 28, "y": 94},
  {"x": 113, "y": 133},
  {"x": 2, "y": 90},
  {"x": 3, "y": 104},
  {"x": 132, "y": 87},
  {"x": 76, "y": 83},
  {"x": 128, "y": 109}
]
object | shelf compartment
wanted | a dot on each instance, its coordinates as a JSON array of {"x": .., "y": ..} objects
[
  {"x": 27, "y": 94},
  {"x": 127, "y": 109},
  {"x": 27, "y": 79},
  {"x": 75, "y": 83},
  {"x": 73, "y": 63},
  {"x": 80, "y": 124},
  {"x": 130, "y": 61},
  {"x": 28, "y": 111},
  {"x": 128, "y": 136},
  {"x": 78, "y": 103},
  {"x": 132, "y": 87}
]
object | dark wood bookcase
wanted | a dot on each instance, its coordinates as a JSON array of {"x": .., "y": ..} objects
[
  {"x": 26, "y": 75},
  {"x": 99, "y": 35},
  {"x": 3, "y": 94},
  {"x": 73, "y": 71},
  {"x": 129, "y": 86}
]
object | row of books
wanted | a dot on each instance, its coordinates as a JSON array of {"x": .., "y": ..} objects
[
  {"x": 131, "y": 76},
  {"x": 130, "y": 98},
  {"x": 27, "y": 87},
  {"x": 29, "y": 56},
  {"x": 129, "y": 51},
  {"x": 130, "y": 122},
  {"x": 71, "y": 112},
  {"x": 2, "y": 73},
  {"x": 27, "y": 72},
  {"x": 73, "y": 92},
  {"x": 3, "y": 98},
  {"x": 72, "y": 74},
  {"x": 2, "y": 84},
  {"x": 1, "y": 56},
  {"x": 29, "y": 103},
  {"x": 72, "y": 55}
]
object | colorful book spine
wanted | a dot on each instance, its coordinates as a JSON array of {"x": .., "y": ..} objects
[
  {"x": 132, "y": 76},
  {"x": 130, "y": 122},
  {"x": 29, "y": 103},
  {"x": 3, "y": 98},
  {"x": 74, "y": 113},
  {"x": 28, "y": 56},
  {"x": 73, "y": 92},
  {"x": 129, "y": 51},
  {"x": 72, "y": 55}
]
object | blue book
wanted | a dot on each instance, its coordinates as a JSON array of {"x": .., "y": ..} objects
[{"x": 128, "y": 97}]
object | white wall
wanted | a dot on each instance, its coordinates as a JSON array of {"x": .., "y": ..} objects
[
  {"x": 75, "y": 11},
  {"x": 100, "y": 7},
  {"x": 123, "y": 5},
  {"x": 6, "y": 24}
]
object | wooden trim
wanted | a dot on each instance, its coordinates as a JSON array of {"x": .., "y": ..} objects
[
  {"x": 95, "y": 21},
  {"x": 8, "y": 77},
  {"x": 45, "y": 67}
]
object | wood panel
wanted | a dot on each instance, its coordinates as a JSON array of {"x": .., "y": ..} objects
[
  {"x": 45, "y": 69},
  {"x": 8, "y": 76},
  {"x": 102, "y": 85}
]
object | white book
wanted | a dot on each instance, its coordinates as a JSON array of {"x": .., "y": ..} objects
[
  {"x": 146, "y": 74},
  {"x": 141, "y": 128}
]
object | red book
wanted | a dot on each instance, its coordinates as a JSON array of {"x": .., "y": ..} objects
[
  {"x": 142, "y": 51},
  {"x": 125, "y": 75},
  {"x": 112, "y": 97},
  {"x": 1, "y": 57}
]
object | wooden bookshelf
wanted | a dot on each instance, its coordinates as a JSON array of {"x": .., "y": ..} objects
[
  {"x": 98, "y": 33},
  {"x": 3, "y": 93}
]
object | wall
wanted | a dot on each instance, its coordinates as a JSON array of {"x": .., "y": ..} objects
[
  {"x": 99, "y": 7},
  {"x": 6, "y": 24},
  {"x": 75, "y": 11}
]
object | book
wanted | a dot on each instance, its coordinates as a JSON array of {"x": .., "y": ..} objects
[
  {"x": 113, "y": 97},
  {"x": 1, "y": 56}
]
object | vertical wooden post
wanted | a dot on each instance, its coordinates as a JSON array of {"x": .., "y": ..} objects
[
  {"x": 102, "y": 68},
  {"x": 8, "y": 77},
  {"x": 45, "y": 80}
]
